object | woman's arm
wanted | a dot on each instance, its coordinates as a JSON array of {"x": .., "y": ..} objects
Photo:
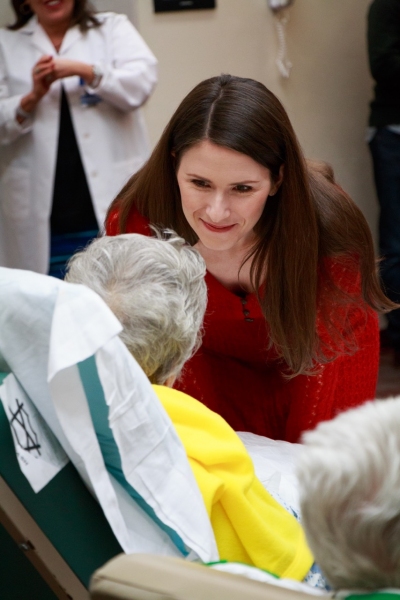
[
  {"x": 17, "y": 111},
  {"x": 42, "y": 78},
  {"x": 10, "y": 127},
  {"x": 346, "y": 382},
  {"x": 349, "y": 330}
]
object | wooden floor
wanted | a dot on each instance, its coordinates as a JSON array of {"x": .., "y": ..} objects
[{"x": 389, "y": 376}]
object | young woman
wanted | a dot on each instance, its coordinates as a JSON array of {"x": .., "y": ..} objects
[
  {"x": 291, "y": 333},
  {"x": 71, "y": 131}
]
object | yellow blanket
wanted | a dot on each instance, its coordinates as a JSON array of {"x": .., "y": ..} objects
[{"x": 249, "y": 525}]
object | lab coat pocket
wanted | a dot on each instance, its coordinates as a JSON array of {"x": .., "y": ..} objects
[{"x": 15, "y": 196}]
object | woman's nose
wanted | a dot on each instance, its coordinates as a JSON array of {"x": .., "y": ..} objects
[{"x": 217, "y": 208}]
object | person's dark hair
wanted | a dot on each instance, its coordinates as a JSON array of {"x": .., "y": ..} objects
[
  {"x": 83, "y": 15},
  {"x": 309, "y": 218}
]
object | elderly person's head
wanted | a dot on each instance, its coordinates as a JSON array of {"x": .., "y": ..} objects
[
  {"x": 156, "y": 289},
  {"x": 349, "y": 476}
]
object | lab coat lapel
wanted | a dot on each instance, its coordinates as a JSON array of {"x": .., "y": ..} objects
[
  {"x": 39, "y": 38},
  {"x": 70, "y": 38}
]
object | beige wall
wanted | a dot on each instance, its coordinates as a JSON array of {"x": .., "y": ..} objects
[
  {"x": 6, "y": 14},
  {"x": 326, "y": 95}
]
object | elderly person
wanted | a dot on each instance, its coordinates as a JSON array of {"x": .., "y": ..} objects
[
  {"x": 349, "y": 477},
  {"x": 156, "y": 288}
]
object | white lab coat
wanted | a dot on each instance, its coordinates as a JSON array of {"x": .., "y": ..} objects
[{"x": 111, "y": 136}]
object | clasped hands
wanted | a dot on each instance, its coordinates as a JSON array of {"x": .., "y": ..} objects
[
  {"x": 49, "y": 68},
  {"x": 44, "y": 73}
]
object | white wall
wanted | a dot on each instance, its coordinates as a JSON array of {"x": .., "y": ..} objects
[
  {"x": 326, "y": 95},
  {"x": 127, "y": 7}
]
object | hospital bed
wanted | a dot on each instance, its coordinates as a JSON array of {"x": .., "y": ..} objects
[{"x": 51, "y": 541}]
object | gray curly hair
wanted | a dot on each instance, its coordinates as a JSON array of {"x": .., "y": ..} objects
[{"x": 156, "y": 289}]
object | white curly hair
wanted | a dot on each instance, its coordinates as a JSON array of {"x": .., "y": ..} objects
[{"x": 349, "y": 478}]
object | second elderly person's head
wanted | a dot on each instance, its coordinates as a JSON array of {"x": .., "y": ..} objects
[
  {"x": 349, "y": 478},
  {"x": 156, "y": 289}
]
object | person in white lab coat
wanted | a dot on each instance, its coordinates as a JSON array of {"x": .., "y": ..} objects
[{"x": 71, "y": 132}]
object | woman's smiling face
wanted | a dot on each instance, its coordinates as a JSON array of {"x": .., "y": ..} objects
[
  {"x": 223, "y": 195},
  {"x": 52, "y": 12}
]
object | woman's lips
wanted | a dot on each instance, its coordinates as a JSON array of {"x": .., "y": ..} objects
[
  {"x": 217, "y": 228},
  {"x": 53, "y": 3}
]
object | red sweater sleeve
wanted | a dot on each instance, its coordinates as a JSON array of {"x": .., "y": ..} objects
[
  {"x": 344, "y": 383},
  {"x": 350, "y": 379}
]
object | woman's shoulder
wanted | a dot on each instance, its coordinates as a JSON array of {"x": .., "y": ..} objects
[
  {"x": 111, "y": 19},
  {"x": 343, "y": 272},
  {"x": 16, "y": 36},
  {"x": 26, "y": 30},
  {"x": 344, "y": 317},
  {"x": 135, "y": 223}
]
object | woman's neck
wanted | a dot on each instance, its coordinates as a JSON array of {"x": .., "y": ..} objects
[
  {"x": 56, "y": 33},
  {"x": 228, "y": 268}
]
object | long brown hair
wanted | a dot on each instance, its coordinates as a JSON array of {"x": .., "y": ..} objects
[
  {"x": 83, "y": 15},
  {"x": 308, "y": 219}
]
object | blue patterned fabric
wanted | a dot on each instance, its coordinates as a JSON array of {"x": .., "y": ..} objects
[{"x": 316, "y": 578}]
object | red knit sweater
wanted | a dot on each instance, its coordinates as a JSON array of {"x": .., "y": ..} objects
[{"x": 234, "y": 373}]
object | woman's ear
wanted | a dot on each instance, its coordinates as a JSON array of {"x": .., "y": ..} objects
[
  {"x": 278, "y": 182},
  {"x": 173, "y": 160}
]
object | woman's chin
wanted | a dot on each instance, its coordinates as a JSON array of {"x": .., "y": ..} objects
[{"x": 219, "y": 244}]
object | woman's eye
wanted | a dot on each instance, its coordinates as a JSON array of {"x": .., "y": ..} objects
[
  {"x": 200, "y": 183},
  {"x": 242, "y": 189}
]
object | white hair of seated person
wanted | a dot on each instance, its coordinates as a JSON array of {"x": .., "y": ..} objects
[
  {"x": 156, "y": 289},
  {"x": 349, "y": 478}
]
